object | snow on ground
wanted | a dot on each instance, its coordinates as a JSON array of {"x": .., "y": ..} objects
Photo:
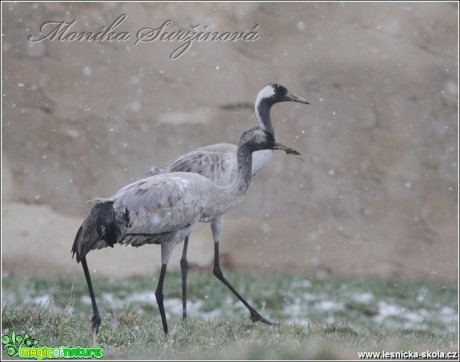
[{"x": 303, "y": 309}]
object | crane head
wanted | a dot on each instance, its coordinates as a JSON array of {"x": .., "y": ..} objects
[
  {"x": 275, "y": 93},
  {"x": 257, "y": 139}
]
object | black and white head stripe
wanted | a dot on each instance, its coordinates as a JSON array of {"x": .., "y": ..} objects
[{"x": 271, "y": 92}]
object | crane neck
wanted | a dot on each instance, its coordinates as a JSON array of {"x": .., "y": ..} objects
[
  {"x": 225, "y": 198},
  {"x": 262, "y": 109},
  {"x": 244, "y": 174}
]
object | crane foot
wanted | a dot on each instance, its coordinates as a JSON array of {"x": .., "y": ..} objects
[
  {"x": 96, "y": 322},
  {"x": 256, "y": 317}
]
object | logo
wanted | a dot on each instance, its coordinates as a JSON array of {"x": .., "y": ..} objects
[{"x": 26, "y": 347}]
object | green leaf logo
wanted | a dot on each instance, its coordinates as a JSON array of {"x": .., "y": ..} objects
[{"x": 13, "y": 343}]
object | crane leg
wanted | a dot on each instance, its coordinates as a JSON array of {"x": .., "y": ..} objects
[
  {"x": 160, "y": 297},
  {"x": 255, "y": 316},
  {"x": 184, "y": 270},
  {"x": 96, "y": 320}
]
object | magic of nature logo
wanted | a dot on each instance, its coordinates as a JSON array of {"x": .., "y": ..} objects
[{"x": 25, "y": 346}]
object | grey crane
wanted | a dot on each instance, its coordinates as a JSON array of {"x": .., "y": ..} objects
[
  {"x": 163, "y": 209},
  {"x": 218, "y": 162}
]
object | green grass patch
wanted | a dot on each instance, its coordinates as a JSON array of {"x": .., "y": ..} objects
[{"x": 319, "y": 317}]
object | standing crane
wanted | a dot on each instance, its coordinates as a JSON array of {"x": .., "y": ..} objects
[
  {"x": 163, "y": 209},
  {"x": 218, "y": 163}
]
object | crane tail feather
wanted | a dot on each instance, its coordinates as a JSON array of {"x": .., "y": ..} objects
[{"x": 99, "y": 230}]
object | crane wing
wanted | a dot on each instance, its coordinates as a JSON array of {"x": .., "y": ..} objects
[
  {"x": 161, "y": 204},
  {"x": 216, "y": 162}
]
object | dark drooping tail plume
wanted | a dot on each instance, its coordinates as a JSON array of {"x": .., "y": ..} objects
[{"x": 99, "y": 230}]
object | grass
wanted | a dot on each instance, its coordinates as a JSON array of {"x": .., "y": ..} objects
[{"x": 326, "y": 317}]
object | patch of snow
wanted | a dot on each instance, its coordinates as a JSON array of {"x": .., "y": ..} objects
[
  {"x": 363, "y": 297},
  {"x": 328, "y": 305}
]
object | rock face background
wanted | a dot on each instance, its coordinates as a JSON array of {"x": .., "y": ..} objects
[{"x": 376, "y": 195}]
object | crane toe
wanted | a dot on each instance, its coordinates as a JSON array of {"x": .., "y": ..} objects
[
  {"x": 96, "y": 322},
  {"x": 256, "y": 317}
]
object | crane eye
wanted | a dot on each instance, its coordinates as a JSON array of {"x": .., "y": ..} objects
[{"x": 279, "y": 89}]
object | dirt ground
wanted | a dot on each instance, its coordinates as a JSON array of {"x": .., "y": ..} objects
[{"x": 376, "y": 194}]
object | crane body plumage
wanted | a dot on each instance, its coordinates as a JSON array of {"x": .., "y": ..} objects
[{"x": 150, "y": 210}]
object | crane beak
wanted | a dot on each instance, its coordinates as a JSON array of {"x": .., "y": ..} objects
[
  {"x": 293, "y": 98},
  {"x": 288, "y": 150}
]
